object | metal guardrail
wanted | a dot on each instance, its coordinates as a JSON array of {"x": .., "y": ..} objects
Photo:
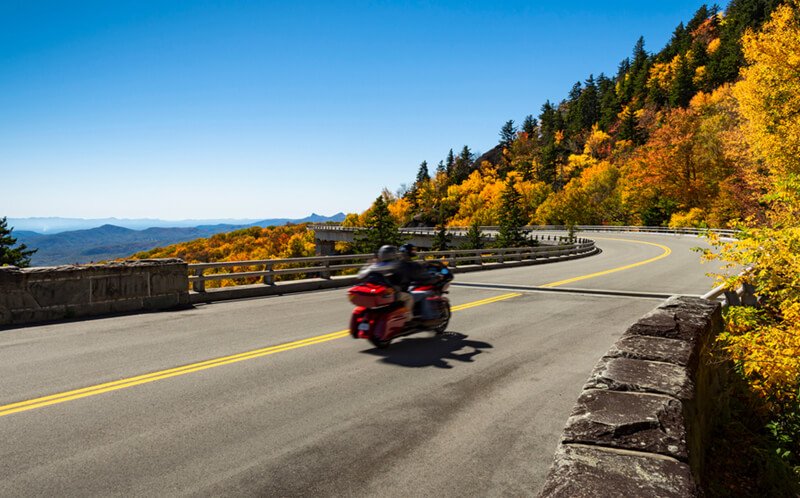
[
  {"x": 488, "y": 230},
  {"x": 326, "y": 266},
  {"x": 744, "y": 295}
]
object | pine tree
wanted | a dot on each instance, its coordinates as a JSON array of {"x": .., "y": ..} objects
[
  {"x": 508, "y": 133},
  {"x": 474, "y": 237},
  {"x": 511, "y": 218},
  {"x": 441, "y": 240},
  {"x": 449, "y": 162},
  {"x": 379, "y": 229},
  {"x": 423, "y": 175},
  {"x": 529, "y": 126},
  {"x": 441, "y": 168},
  {"x": 9, "y": 255},
  {"x": 682, "y": 88},
  {"x": 609, "y": 103},
  {"x": 462, "y": 166},
  {"x": 628, "y": 127}
]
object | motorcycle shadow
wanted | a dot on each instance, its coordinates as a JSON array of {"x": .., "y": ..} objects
[{"x": 437, "y": 351}]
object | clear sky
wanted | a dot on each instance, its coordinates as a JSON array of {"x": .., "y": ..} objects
[{"x": 244, "y": 109}]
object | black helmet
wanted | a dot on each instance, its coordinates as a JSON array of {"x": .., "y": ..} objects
[
  {"x": 408, "y": 250},
  {"x": 387, "y": 253}
]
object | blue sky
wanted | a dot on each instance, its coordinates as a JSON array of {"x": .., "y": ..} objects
[{"x": 242, "y": 109}]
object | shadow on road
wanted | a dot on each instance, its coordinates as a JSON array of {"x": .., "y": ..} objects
[{"x": 431, "y": 351}]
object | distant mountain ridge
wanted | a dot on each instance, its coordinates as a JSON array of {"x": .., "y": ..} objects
[
  {"x": 111, "y": 241},
  {"x": 55, "y": 224}
]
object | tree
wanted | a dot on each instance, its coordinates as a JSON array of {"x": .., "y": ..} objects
[
  {"x": 423, "y": 175},
  {"x": 441, "y": 240},
  {"x": 9, "y": 255},
  {"x": 529, "y": 126},
  {"x": 449, "y": 162},
  {"x": 511, "y": 218},
  {"x": 474, "y": 237},
  {"x": 682, "y": 88},
  {"x": 508, "y": 133},
  {"x": 462, "y": 166},
  {"x": 379, "y": 229}
]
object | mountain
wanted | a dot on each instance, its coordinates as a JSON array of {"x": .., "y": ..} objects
[
  {"x": 111, "y": 241},
  {"x": 52, "y": 225}
]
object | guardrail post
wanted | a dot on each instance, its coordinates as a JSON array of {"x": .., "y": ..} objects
[
  {"x": 269, "y": 278},
  {"x": 327, "y": 273},
  {"x": 199, "y": 285},
  {"x": 453, "y": 259}
]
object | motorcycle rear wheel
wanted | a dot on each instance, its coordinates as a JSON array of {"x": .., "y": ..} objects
[{"x": 378, "y": 343}]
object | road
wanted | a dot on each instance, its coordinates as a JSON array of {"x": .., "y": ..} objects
[{"x": 264, "y": 397}]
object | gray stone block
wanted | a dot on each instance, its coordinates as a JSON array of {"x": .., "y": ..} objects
[
  {"x": 116, "y": 287},
  {"x": 583, "y": 471},
  {"x": 640, "y": 347},
  {"x": 623, "y": 374},
  {"x": 651, "y": 423},
  {"x": 56, "y": 292}
]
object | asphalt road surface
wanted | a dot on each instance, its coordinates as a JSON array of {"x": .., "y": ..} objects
[{"x": 267, "y": 397}]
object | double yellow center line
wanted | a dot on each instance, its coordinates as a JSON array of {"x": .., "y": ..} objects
[{"x": 85, "y": 392}]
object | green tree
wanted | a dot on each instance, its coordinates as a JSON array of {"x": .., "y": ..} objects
[
  {"x": 462, "y": 167},
  {"x": 379, "y": 229},
  {"x": 441, "y": 240},
  {"x": 10, "y": 255},
  {"x": 449, "y": 163},
  {"x": 529, "y": 126},
  {"x": 682, "y": 89},
  {"x": 474, "y": 237},
  {"x": 423, "y": 175},
  {"x": 511, "y": 218},
  {"x": 508, "y": 133}
]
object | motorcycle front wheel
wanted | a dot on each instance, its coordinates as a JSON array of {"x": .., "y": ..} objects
[{"x": 445, "y": 320}]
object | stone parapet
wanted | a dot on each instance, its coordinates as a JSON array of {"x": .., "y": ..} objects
[
  {"x": 642, "y": 422},
  {"x": 29, "y": 295}
]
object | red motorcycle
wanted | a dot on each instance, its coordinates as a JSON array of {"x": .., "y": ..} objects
[{"x": 380, "y": 317}]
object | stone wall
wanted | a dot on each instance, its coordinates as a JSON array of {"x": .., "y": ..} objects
[
  {"x": 643, "y": 419},
  {"x": 40, "y": 294}
]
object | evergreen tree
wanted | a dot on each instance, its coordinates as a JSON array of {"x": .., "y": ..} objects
[
  {"x": 549, "y": 150},
  {"x": 682, "y": 88},
  {"x": 379, "y": 229},
  {"x": 449, "y": 162},
  {"x": 441, "y": 240},
  {"x": 441, "y": 168},
  {"x": 9, "y": 255},
  {"x": 529, "y": 126},
  {"x": 725, "y": 62},
  {"x": 423, "y": 175},
  {"x": 508, "y": 133},
  {"x": 511, "y": 218},
  {"x": 628, "y": 127},
  {"x": 474, "y": 237},
  {"x": 462, "y": 166},
  {"x": 609, "y": 103}
]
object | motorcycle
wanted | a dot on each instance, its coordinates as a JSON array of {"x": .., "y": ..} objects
[{"x": 380, "y": 317}]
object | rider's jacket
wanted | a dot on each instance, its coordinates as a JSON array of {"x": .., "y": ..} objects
[{"x": 400, "y": 274}]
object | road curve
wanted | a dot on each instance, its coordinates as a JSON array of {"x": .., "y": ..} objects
[{"x": 256, "y": 398}]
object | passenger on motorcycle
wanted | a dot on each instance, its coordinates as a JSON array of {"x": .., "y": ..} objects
[{"x": 412, "y": 272}]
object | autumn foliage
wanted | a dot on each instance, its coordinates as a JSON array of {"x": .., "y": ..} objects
[{"x": 248, "y": 244}]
